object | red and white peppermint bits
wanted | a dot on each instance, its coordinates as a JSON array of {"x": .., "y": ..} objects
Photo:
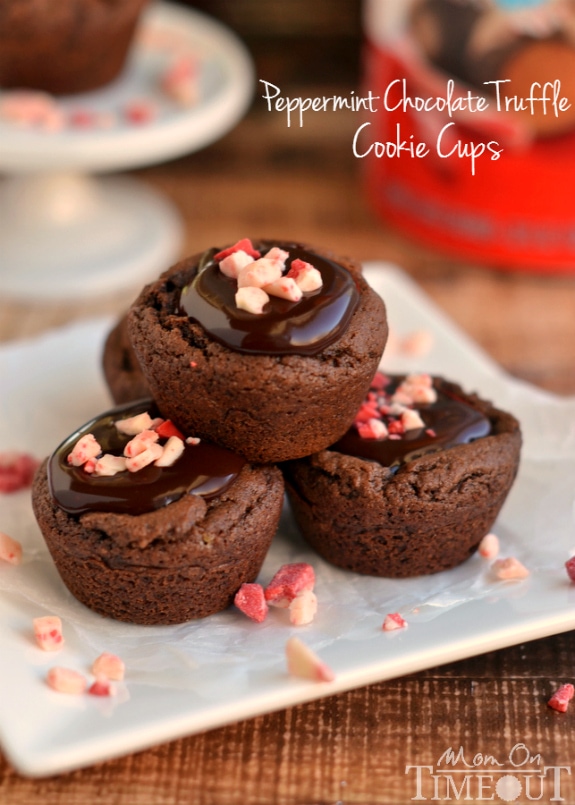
[
  {"x": 102, "y": 687},
  {"x": 509, "y": 569},
  {"x": 16, "y": 471},
  {"x": 250, "y": 600},
  {"x": 570, "y": 568},
  {"x": 48, "y": 632},
  {"x": 65, "y": 680},
  {"x": 304, "y": 663},
  {"x": 261, "y": 277},
  {"x": 561, "y": 698},
  {"x": 10, "y": 550},
  {"x": 393, "y": 621},
  {"x": 489, "y": 546},
  {"x": 303, "y": 608},
  {"x": 154, "y": 441},
  {"x": 289, "y": 581},
  {"x": 109, "y": 666}
]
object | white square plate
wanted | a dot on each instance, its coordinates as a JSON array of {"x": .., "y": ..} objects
[{"x": 188, "y": 678}]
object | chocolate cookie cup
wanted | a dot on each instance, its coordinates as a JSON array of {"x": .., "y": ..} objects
[
  {"x": 162, "y": 542},
  {"x": 426, "y": 487},
  {"x": 271, "y": 386},
  {"x": 121, "y": 367},
  {"x": 58, "y": 47}
]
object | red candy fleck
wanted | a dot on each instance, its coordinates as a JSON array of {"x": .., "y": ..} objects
[
  {"x": 140, "y": 112},
  {"x": 396, "y": 427},
  {"x": 167, "y": 429},
  {"x": 561, "y": 698},
  {"x": 250, "y": 600},
  {"x": 393, "y": 621},
  {"x": 244, "y": 245},
  {"x": 101, "y": 687},
  {"x": 289, "y": 581},
  {"x": 379, "y": 382},
  {"x": 570, "y": 567},
  {"x": 16, "y": 471}
]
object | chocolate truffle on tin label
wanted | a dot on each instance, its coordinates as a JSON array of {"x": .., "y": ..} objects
[
  {"x": 415, "y": 483},
  {"x": 266, "y": 348},
  {"x": 148, "y": 526},
  {"x": 524, "y": 44},
  {"x": 66, "y": 46}
]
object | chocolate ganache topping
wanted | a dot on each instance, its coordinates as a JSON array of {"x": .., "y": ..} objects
[
  {"x": 447, "y": 420},
  {"x": 284, "y": 327},
  {"x": 202, "y": 469}
]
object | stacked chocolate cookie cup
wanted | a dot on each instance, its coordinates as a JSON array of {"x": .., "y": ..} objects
[{"x": 268, "y": 352}]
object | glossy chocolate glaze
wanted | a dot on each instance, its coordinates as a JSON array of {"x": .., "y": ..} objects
[
  {"x": 203, "y": 469},
  {"x": 284, "y": 328},
  {"x": 452, "y": 420}
]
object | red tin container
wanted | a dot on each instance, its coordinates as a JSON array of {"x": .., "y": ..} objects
[{"x": 488, "y": 185}]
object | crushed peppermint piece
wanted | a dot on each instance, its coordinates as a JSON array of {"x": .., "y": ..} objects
[
  {"x": 148, "y": 456},
  {"x": 411, "y": 420},
  {"x": 171, "y": 452},
  {"x": 570, "y": 568},
  {"x": 416, "y": 389},
  {"x": 110, "y": 666},
  {"x": 244, "y": 245},
  {"x": 65, "y": 680},
  {"x": 140, "y": 443},
  {"x": 489, "y": 546},
  {"x": 31, "y": 109},
  {"x": 10, "y": 550},
  {"x": 234, "y": 263},
  {"x": 250, "y": 600},
  {"x": 561, "y": 698},
  {"x": 193, "y": 440},
  {"x": 167, "y": 428},
  {"x": 85, "y": 448},
  {"x": 303, "y": 608},
  {"x": 393, "y": 621},
  {"x": 48, "y": 632},
  {"x": 417, "y": 344},
  {"x": 372, "y": 429},
  {"x": 16, "y": 471},
  {"x": 108, "y": 465},
  {"x": 260, "y": 273},
  {"x": 289, "y": 581},
  {"x": 101, "y": 687},
  {"x": 304, "y": 663},
  {"x": 140, "y": 112},
  {"x": 285, "y": 288},
  {"x": 306, "y": 276},
  {"x": 132, "y": 425},
  {"x": 180, "y": 80},
  {"x": 252, "y": 300},
  {"x": 510, "y": 568}
]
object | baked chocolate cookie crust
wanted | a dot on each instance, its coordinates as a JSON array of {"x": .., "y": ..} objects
[
  {"x": 266, "y": 407},
  {"x": 427, "y": 516},
  {"x": 179, "y": 563},
  {"x": 121, "y": 367}
]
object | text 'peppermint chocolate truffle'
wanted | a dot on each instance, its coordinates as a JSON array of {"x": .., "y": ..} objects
[
  {"x": 148, "y": 526},
  {"x": 265, "y": 348},
  {"x": 415, "y": 483}
]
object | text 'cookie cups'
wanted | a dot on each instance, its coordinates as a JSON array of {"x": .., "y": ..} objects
[
  {"x": 271, "y": 385},
  {"x": 154, "y": 536},
  {"x": 424, "y": 509}
]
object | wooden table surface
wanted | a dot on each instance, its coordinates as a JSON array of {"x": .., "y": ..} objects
[{"x": 261, "y": 179}]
